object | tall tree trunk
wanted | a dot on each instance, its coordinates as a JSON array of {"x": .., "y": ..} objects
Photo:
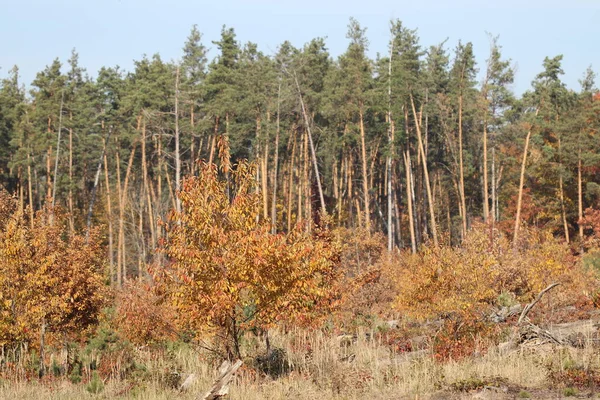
[
  {"x": 425, "y": 172},
  {"x": 306, "y": 184},
  {"x": 300, "y": 180},
  {"x": 21, "y": 190},
  {"x": 562, "y": 193},
  {"x": 365, "y": 180},
  {"x": 579, "y": 195},
  {"x": 193, "y": 143},
  {"x": 261, "y": 170},
  {"x": 122, "y": 265},
  {"x": 30, "y": 189},
  {"x": 276, "y": 166},
  {"x": 409, "y": 201},
  {"x": 177, "y": 152},
  {"x": 95, "y": 187},
  {"x": 463, "y": 202},
  {"x": 214, "y": 141},
  {"x": 486, "y": 199},
  {"x": 521, "y": 184},
  {"x": 111, "y": 255},
  {"x": 57, "y": 149},
  {"x": 291, "y": 181},
  {"x": 563, "y": 211},
  {"x": 390, "y": 155},
  {"x": 71, "y": 208},
  {"x": 145, "y": 180},
  {"x": 312, "y": 147}
]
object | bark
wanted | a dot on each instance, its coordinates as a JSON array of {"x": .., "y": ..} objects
[
  {"x": 521, "y": 184},
  {"x": 486, "y": 199},
  {"x": 95, "y": 188},
  {"x": 291, "y": 182},
  {"x": 123, "y": 202},
  {"x": 579, "y": 195},
  {"x": 312, "y": 146},
  {"x": 411, "y": 222},
  {"x": 30, "y": 189},
  {"x": 390, "y": 155},
  {"x": 111, "y": 255},
  {"x": 276, "y": 166},
  {"x": 71, "y": 208},
  {"x": 463, "y": 202},
  {"x": 57, "y": 149},
  {"x": 145, "y": 180},
  {"x": 426, "y": 174},
  {"x": 562, "y": 194},
  {"x": 121, "y": 216},
  {"x": 363, "y": 148},
  {"x": 177, "y": 152}
]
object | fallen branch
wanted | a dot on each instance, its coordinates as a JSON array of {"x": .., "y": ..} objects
[
  {"x": 221, "y": 386},
  {"x": 534, "y": 302}
]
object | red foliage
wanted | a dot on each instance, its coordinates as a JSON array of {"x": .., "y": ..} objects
[{"x": 142, "y": 316}]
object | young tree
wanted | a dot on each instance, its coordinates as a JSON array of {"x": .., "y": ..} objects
[
  {"x": 228, "y": 272},
  {"x": 51, "y": 281}
]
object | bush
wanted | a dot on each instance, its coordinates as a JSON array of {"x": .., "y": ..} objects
[{"x": 142, "y": 317}]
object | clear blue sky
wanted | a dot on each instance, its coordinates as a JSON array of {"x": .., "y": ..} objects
[{"x": 115, "y": 32}]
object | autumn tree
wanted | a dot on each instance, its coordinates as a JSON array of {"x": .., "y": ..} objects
[
  {"x": 228, "y": 273},
  {"x": 51, "y": 281}
]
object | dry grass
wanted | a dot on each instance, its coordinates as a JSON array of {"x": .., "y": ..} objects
[{"x": 322, "y": 367}]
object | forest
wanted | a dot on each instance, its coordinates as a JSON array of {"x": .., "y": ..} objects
[{"x": 304, "y": 213}]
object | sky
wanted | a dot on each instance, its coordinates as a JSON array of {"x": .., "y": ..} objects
[{"x": 115, "y": 32}]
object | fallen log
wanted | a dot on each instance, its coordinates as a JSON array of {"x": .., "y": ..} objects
[{"x": 220, "y": 388}]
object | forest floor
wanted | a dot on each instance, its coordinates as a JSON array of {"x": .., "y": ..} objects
[{"x": 325, "y": 366}]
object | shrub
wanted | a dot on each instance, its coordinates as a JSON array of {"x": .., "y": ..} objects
[{"x": 143, "y": 317}]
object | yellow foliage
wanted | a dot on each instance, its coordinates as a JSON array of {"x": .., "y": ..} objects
[
  {"x": 227, "y": 271},
  {"x": 46, "y": 275},
  {"x": 444, "y": 279}
]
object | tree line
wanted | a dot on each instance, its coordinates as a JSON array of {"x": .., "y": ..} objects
[{"x": 409, "y": 143}]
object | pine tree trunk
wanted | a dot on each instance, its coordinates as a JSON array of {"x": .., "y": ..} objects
[
  {"x": 521, "y": 184},
  {"x": 21, "y": 190},
  {"x": 193, "y": 143},
  {"x": 29, "y": 184},
  {"x": 486, "y": 199},
  {"x": 365, "y": 180},
  {"x": 177, "y": 152},
  {"x": 111, "y": 256},
  {"x": 411, "y": 222},
  {"x": 306, "y": 183},
  {"x": 463, "y": 202},
  {"x": 494, "y": 213},
  {"x": 276, "y": 167},
  {"x": 579, "y": 196},
  {"x": 426, "y": 173},
  {"x": 214, "y": 141},
  {"x": 71, "y": 209},
  {"x": 312, "y": 147},
  {"x": 57, "y": 151},
  {"x": 562, "y": 193},
  {"x": 145, "y": 180},
  {"x": 291, "y": 182},
  {"x": 123, "y": 202}
]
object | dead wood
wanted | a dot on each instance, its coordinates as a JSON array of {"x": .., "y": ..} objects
[
  {"x": 529, "y": 306},
  {"x": 220, "y": 388}
]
